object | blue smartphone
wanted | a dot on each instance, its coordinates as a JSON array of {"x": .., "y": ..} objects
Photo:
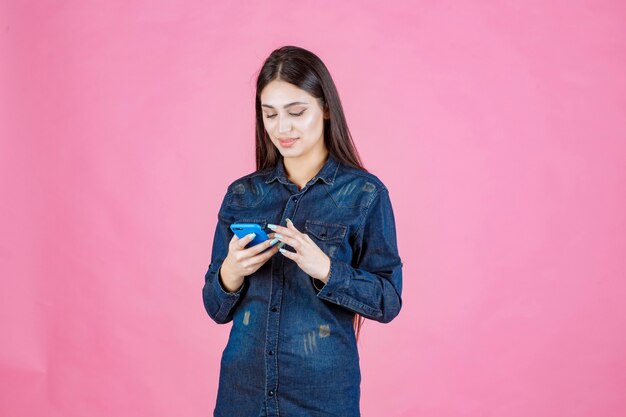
[{"x": 243, "y": 229}]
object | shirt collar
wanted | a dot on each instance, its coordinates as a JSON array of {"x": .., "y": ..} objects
[{"x": 326, "y": 174}]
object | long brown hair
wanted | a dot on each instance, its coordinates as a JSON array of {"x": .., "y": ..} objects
[{"x": 306, "y": 71}]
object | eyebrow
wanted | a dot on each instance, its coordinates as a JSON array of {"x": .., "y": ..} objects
[{"x": 286, "y": 105}]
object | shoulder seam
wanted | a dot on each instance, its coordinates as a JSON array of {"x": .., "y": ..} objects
[{"x": 249, "y": 176}]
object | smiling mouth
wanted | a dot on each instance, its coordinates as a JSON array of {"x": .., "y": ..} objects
[{"x": 287, "y": 143}]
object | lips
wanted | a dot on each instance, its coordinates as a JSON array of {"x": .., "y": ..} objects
[{"x": 286, "y": 142}]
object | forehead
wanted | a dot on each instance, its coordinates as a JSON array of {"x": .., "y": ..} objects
[{"x": 280, "y": 93}]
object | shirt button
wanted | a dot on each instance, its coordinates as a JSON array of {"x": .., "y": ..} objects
[
  {"x": 271, "y": 352},
  {"x": 295, "y": 199},
  {"x": 274, "y": 309},
  {"x": 271, "y": 393}
]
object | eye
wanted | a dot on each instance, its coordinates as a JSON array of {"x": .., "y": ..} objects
[{"x": 292, "y": 114}]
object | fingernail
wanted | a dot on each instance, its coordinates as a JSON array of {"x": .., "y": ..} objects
[
  {"x": 280, "y": 245},
  {"x": 271, "y": 226},
  {"x": 289, "y": 220},
  {"x": 273, "y": 241},
  {"x": 251, "y": 234},
  {"x": 281, "y": 250},
  {"x": 278, "y": 235}
]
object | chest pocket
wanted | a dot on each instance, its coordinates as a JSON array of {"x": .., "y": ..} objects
[{"x": 328, "y": 236}]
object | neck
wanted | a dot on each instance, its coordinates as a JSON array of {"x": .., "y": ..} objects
[{"x": 301, "y": 170}]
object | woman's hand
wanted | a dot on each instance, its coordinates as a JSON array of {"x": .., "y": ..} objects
[
  {"x": 309, "y": 257},
  {"x": 241, "y": 262}
]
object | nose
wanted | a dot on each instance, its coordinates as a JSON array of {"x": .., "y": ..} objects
[{"x": 284, "y": 125}]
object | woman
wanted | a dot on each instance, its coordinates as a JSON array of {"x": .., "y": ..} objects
[{"x": 296, "y": 316}]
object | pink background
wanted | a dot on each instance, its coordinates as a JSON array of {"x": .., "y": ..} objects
[{"x": 497, "y": 126}]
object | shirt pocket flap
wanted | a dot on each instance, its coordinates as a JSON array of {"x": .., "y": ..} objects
[{"x": 325, "y": 231}]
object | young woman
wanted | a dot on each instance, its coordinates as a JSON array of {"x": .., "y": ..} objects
[{"x": 296, "y": 314}]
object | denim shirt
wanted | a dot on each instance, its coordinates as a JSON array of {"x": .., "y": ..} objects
[{"x": 292, "y": 349}]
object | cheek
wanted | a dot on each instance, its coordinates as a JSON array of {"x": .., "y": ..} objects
[
  {"x": 267, "y": 124},
  {"x": 312, "y": 124}
]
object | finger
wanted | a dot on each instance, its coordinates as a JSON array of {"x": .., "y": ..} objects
[
  {"x": 291, "y": 255},
  {"x": 263, "y": 257},
  {"x": 259, "y": 247},
  {"x": 295, "y": 233},
  {"x": 286, "y": 231},
  {"x": 291, "y": 226},
  {"x": 268, "y": 254},
  {"x": 233, "y": 245},
  {"x": 245, "y": 240},
  {"x": 272, "y": 236},
  {"x": 294, "y": 243},
  {"x": 280, "y": 229}
]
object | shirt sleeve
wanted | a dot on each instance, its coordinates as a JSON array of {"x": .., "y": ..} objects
[
  {"x": 372, "y": 286},
  {"x": 219, "y": 303}
]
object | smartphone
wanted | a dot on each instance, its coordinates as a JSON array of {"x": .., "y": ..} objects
[{"x": 243, "y": 229}]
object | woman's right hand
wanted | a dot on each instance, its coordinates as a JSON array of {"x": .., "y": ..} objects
[{"x": 241, "y": 262}]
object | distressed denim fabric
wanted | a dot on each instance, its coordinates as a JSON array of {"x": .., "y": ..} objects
[{"x": 292, "y": 349}]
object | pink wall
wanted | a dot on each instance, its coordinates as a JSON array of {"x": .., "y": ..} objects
[{"x": 497, "y": 126}]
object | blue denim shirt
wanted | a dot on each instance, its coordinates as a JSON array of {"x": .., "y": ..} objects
[{"x": 292, "y": 348}]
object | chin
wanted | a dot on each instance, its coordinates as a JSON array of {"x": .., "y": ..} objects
[{"x": 287, "y": 154}]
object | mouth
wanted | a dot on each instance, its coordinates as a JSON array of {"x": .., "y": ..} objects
[{"x": 287, "y": 141}]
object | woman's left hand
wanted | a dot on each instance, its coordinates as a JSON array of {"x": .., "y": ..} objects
[{"x": 309, "y": 257}]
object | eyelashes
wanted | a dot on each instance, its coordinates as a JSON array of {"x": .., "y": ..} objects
[{"x": 293, "y": 114}]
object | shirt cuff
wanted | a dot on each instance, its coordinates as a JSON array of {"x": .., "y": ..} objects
[
  {"x": 222, "y": 294},
  {"x": 336, "y": 282}
]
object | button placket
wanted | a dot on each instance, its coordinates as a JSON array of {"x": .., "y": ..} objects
[{"x": 276, "y": 292}]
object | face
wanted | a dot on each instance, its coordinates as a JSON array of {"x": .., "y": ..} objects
[{"x": 293, "y": 119}]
